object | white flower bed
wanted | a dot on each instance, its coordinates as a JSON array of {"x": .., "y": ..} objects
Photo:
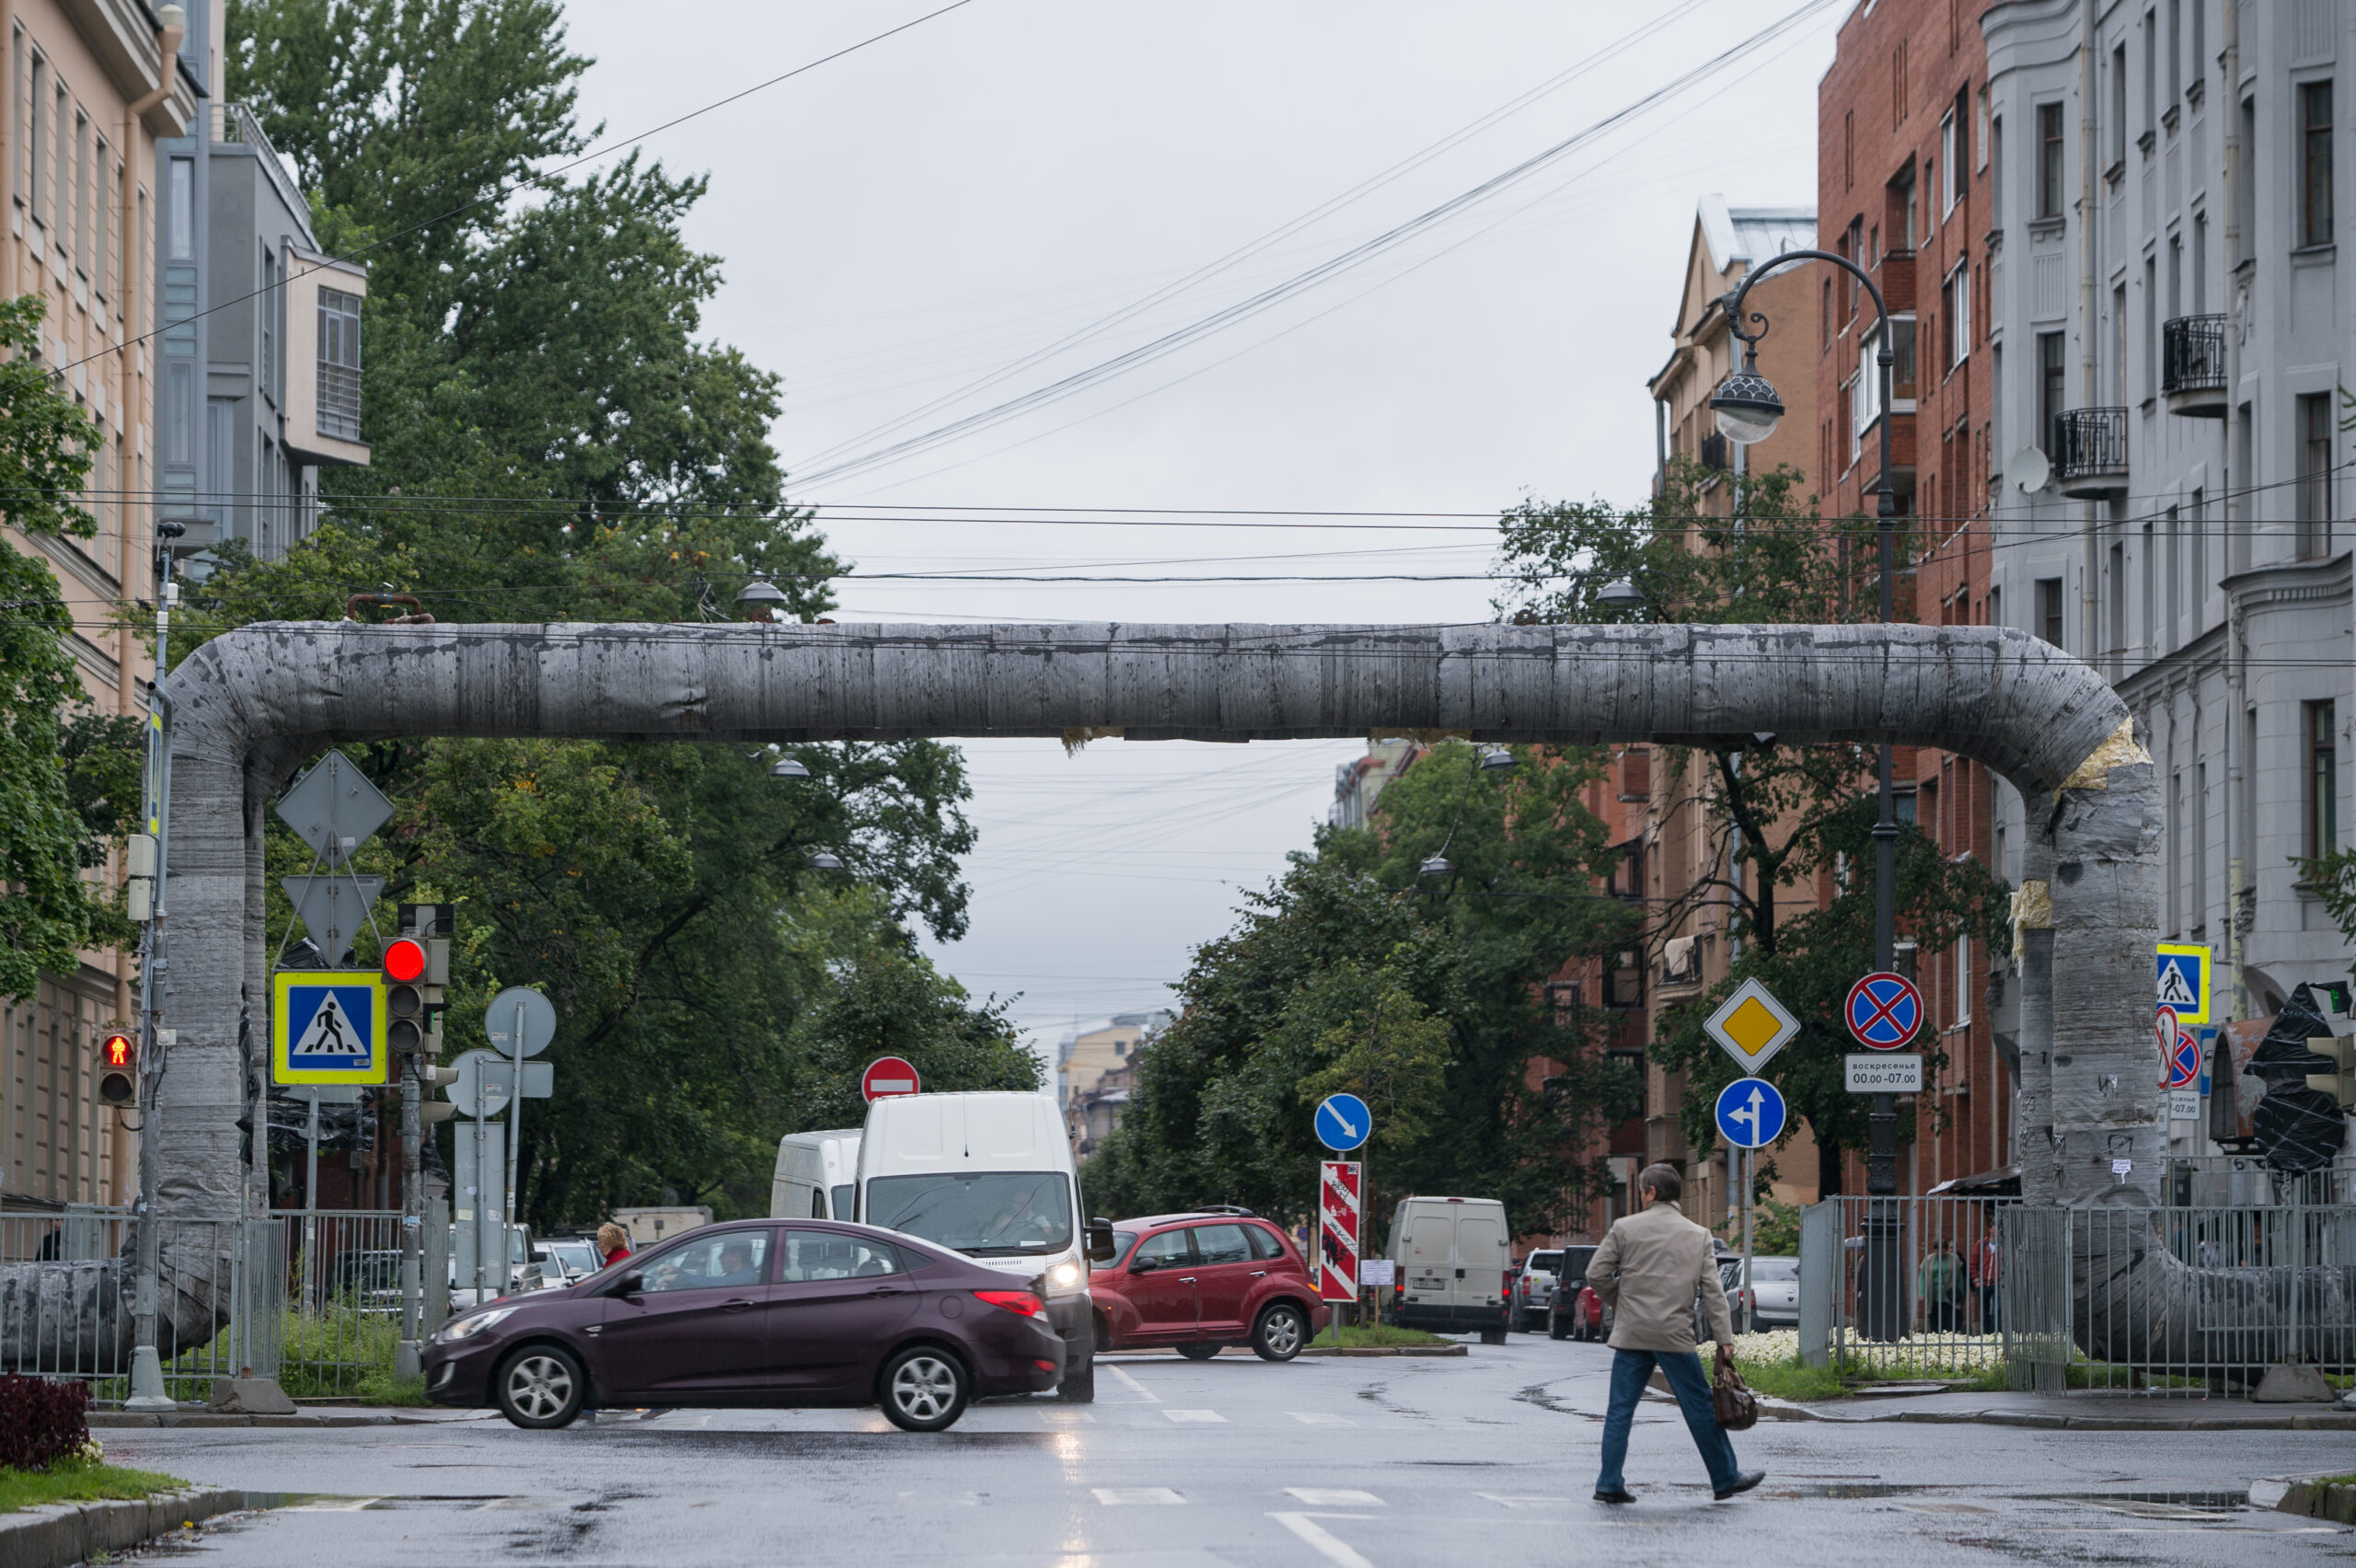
[{"x": 1957, "y": 1355}]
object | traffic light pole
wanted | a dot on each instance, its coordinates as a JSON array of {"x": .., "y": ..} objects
[
  {"x": 406, "y": 1360},
  {"x": 148, "y": 1390}
]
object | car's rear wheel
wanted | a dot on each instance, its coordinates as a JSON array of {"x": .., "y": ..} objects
[
  {"x": 923, "y": 1390},
  {"x": 1281, "y": 1333},
  {"x": 1494, "y": 1336},
  {"x": 541, "y": 1386},
  {"x": 1198, "y": 1352},
  {"x": 1559, "y": 1327}
]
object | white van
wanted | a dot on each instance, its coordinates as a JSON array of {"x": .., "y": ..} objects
[
  {"x": 816, "y": 1173},
  {"x": 991, "y": 1176},
  {"x": 1452, "y": 1257}
]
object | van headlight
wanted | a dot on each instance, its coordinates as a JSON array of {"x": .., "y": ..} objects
[
  {"x": 474, "y": 1323},
  {"x": 1066, "y": 1275}
]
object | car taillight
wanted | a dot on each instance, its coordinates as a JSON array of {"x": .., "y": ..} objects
[{"x": 1023, "y": 1302}]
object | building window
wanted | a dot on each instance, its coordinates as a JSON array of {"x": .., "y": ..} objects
[
  {"x": 2049, "y": 609},
  {"x": 1955, "y": 303},
  {"x": 1952, "y": 165},
  {"x": 2049, "y": 167},
  {"x": 1898, "y": 86},
  {"x": 35, "y": 142},
  {"x": 338, "y": 364},
  {"x": 2118, "y": 106},
  {"x": 2052, "y": 387},
  {"x": 2323, "y": 778},
  {"x": 82, "y": 193},
  {"x": 181, "y": 198},
  {"x": 267, "y": 316},
  {"x": 2314, "y": 164},
  {"x": 2315, "y": 476},
  {"x": 2175, "y": 50},
  {"x": 1963, "y": 979},
  {"x": 1985, "y": 130}
]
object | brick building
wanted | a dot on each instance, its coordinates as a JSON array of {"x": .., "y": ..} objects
[{"x": 1904, "y": 185}]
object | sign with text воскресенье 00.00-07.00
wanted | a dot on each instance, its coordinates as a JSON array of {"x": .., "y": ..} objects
[{"x": 1884, "y": 1075}]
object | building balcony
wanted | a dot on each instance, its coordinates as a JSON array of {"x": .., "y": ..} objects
[
  {"x": 2192, "y": 366},
  {"x": 1714, "y": 453},
  {"x": 2090, "y": 452}
]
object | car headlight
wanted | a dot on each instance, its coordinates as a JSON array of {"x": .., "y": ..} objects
[{"x": 474, "y": 1323}]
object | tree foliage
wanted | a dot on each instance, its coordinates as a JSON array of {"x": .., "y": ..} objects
[
  {"x": 552, "y": 440},
  {"x": 1421, "y": 995},
  {"x": 1777, "y": 821},
  {"x": 59, "y": 786}
]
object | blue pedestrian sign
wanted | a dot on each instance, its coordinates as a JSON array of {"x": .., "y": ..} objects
[
  {"x": 1750, "y": 1112},
  {"x": 2184, "y": 980},
  {"x": 328, "y": 1026},
  {"x": 1343, "y": 1121}
]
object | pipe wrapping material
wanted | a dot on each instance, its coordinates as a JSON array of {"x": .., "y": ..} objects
[{"x": 251, "y": 705}]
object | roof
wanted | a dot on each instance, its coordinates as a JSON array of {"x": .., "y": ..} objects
[{"x": 1751, "y": 234}]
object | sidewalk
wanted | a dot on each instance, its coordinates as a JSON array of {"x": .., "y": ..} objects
[
  {"x": 2096, "y": 1412},
  {"x": 194, "y": 1415}
]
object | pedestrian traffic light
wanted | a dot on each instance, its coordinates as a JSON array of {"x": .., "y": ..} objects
[
  {"x": 2340, "y": 1081},
  {"x": 119, "y": 1069}
]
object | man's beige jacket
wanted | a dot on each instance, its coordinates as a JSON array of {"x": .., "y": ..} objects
[{"x": 1647, "y": 1272}]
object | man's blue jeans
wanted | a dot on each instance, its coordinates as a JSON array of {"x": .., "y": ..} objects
[{"x": 1631, "y": 1370}]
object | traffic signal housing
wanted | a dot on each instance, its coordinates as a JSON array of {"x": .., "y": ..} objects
[
  {"x": 2340, "y": 1081},
  {"x": 119, "y": 1069},
  {"x": 417, "y": 968}
]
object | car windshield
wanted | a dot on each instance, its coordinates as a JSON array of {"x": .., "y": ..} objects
[
  {"x": 578, "y": 1257},
  {"x": 986, "y": 1213},
  {"x": 1123, "y": 1241}
]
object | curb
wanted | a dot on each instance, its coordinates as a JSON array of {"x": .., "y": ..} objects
[
  {"x": 109, "y": 1420},
  {"x": 2312, "y": 1497},
  {"x": 1771, "y": 1409},
  {"x": 56, "y": 1534},
  {"x": 1388, "y": 1349}
]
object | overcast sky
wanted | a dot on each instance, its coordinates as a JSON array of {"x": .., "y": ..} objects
[{"x": 986, "y": 188}]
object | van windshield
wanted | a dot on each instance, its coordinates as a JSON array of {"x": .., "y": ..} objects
[{"x": 986, "y": 1213}]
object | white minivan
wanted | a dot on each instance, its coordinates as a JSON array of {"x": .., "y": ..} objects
[
  {"x": 1453, "y": 1258},
  {"x": 816, "y": 1173},
  {"x": 991, "y": 1176}
]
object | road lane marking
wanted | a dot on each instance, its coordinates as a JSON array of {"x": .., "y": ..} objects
[
  {"x": 1334, "y": 1497},
  {"x": 1520, "y": 1499},
  {"x": 1204, "y": 1416},
  {"x": 1336, "y": 1552},
  {"x": 1121, "y": 1496},
  {"x": 1319, "y": 1418},
  {"x": 1143, "y": 1392}
]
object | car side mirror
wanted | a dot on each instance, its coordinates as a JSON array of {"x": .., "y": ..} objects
[
  {"x": 630, "y": 1284},
  {"x": 1145, "y": 1265},
  {"x": 1101, "y": 1245}
]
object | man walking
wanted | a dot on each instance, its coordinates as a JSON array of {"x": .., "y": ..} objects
[{"x": 1648, "y": 1270}]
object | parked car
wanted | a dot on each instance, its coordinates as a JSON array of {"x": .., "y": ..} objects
[
  {"x": 567, "y": 1260},
  {"x": 1590, "y": 1318},
  {"x": 1199, "y": 1281},
  {"x": 1533, "y": 1288},
  {"x": 1451, "y": 1255},
  {"x": 1774, "y": 1299},
  {"x": 760, "y": 1314},
  {"x": 1569, "y": 1278},
  {"x": 816, "y": 1175}
]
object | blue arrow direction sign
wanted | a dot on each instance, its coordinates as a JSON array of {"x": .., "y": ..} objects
[
  {"x": 1750, "y": 1112},
  {"x": 1343, "y": 1121}
]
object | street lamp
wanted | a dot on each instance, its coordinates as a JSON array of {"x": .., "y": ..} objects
[
  {"x": 1620, "y": 594},
  {"x": 1435, "y": 865},
  {"x": 1747, "y": 410},
  {"x": 823, "y": 860},
  {"x": 760, "y": 597},
  {"x": 789, "y": 768},
  {"x": 1496, "y": 759}
]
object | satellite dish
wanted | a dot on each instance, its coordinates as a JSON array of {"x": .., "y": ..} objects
[{"x": 2029, "y": 469}]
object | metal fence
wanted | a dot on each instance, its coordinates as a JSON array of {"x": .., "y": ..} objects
[
  {"x": 311, "y": 1299},
  {"x": 2178, "y": 1300}
]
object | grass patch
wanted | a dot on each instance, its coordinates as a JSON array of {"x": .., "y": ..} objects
[
  {"x": 1386, "y": 1336},
  {"x": 1783, "y": 1377},
  {"x": 79, "y": 1480}
]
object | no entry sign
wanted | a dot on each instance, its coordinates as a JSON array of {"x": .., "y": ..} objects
[
  {"x": 888, "y": 1077},
  {"x": 1884, "y": 1011}
]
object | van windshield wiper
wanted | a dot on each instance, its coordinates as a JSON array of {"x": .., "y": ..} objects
[{"x": 1010, "y": 1251}]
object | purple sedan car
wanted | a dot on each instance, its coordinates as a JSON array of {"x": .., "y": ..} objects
[{"x": 757, "y": 1313}]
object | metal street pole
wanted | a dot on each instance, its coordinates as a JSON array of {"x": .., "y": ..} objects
[
  {"x": 514, "y": 1148},
  {"x": 148, "y": 1390},
  {"x": 1884, "y": 1311},
  {"x": 311, "y": 1200},
  {"x": 408, "y": 1361}
]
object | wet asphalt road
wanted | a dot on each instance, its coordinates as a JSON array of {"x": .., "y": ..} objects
[{"x": 1318, "y": 1464}]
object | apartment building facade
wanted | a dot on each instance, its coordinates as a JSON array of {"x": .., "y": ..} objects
[
  {"x": 92, "y": 85},
  {"x": 1095, "y": 1069},
  {"x": 1905, "y": 177},
  {"x": 2175, "y": 304}
]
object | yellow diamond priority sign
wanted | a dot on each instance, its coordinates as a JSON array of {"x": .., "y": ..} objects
[{"x": 1752, "y": 1026}]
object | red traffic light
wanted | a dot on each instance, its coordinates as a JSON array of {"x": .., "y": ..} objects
[
  {"x": 118, "y": 1069},
  {"x": 404, "y": 960}
]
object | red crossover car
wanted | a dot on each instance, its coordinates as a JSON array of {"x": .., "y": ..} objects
[
  {"x": 1197, "y": 1281},
  {"x": 762, "y": 1314}
]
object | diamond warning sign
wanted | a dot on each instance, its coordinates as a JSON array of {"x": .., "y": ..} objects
[{"x": 328, "y": 1026}]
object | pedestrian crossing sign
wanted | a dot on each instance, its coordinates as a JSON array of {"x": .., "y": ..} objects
[
  {"x": 2184, "y": 981},
  {"x": 328, "y": 1026}
]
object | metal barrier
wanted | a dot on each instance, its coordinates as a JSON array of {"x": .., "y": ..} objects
[
  {"x": 2182, "y": 1299},
  {"x": 344, "y": 1284}
]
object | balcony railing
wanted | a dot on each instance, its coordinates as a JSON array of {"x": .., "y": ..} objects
[
  {"x": 2192, "y": 365},
  {"x": 2090, "y": 452}
]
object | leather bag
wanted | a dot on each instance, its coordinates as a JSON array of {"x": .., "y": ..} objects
[{"x": 1731, "y": 1400}]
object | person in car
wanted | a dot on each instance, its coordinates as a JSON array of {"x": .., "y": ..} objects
[
  {"x": 736, "y": 1265},
  {"x": 1648, "y": 1270}
]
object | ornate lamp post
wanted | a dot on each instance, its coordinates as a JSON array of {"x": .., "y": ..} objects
[{"x": 1748, "y": 410}]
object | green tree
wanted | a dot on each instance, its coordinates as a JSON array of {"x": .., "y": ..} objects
[
  {"x": 59, "y": 781},
  {"x": 1353, "y": 971},
  {"x": 1775, "y": 817}
]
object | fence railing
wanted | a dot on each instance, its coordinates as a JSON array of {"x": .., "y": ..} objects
[
  {"x": 2181, "y": 1299},
  {"x": 312, "y": 1299}
]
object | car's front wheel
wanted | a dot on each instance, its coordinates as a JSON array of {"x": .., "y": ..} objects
[
  {"x": 1079, "y": 1386},
  {"x": 542, "y": 1387},
  {"x": 1198, "y": 1352},
  {"x": 924, "y": 1390},
  {"x": 1281, "y": 1333}
]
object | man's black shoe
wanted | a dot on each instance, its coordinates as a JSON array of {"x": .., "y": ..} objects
[
  {"x": 1742, "y": 1482},
  {"x": 1615, "y": 1497}
]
